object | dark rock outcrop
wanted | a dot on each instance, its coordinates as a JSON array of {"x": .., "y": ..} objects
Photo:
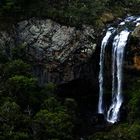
[
  {"x": 132, "y": 60},
  {"x": 60, "y": 53}
]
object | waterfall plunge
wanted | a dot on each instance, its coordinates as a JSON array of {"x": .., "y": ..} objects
[{"x": 118, "y": 47}]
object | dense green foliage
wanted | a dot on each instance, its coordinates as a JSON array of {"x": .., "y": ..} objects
[
  {"x": 120, "y": 132},
  {"x": 72, "y": 12},
  {"x": 28, "y": 111}
]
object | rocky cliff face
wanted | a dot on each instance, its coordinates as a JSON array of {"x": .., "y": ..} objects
[
  {"x": 60, "y": 53},
  {"x": 133, "y": 51}
]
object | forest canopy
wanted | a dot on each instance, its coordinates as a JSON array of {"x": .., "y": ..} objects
[{"x": 67, "y": 11}]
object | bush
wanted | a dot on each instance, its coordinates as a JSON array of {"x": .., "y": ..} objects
[
  {"x": 53, "y": 122},
  {"x": 14, "y": 125}
]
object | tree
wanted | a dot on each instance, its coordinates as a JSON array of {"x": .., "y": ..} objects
[
  {"x": 53, "y": 122},
  {"x": 23, "y": 89},
  {"x": 53, "y": 125}
]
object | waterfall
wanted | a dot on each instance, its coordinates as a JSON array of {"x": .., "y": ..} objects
[
  {"x": 120, "y": 40},
  {"x": 101, "y": 72}
]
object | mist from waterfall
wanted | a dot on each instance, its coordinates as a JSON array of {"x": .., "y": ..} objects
[{"x": 120, "y": 37}]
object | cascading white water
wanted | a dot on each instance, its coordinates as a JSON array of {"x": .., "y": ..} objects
[
  {"x": 119, "y": 44},
  {"x": 118, "y": 47},
  {"x": 102, "y": 53}
]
